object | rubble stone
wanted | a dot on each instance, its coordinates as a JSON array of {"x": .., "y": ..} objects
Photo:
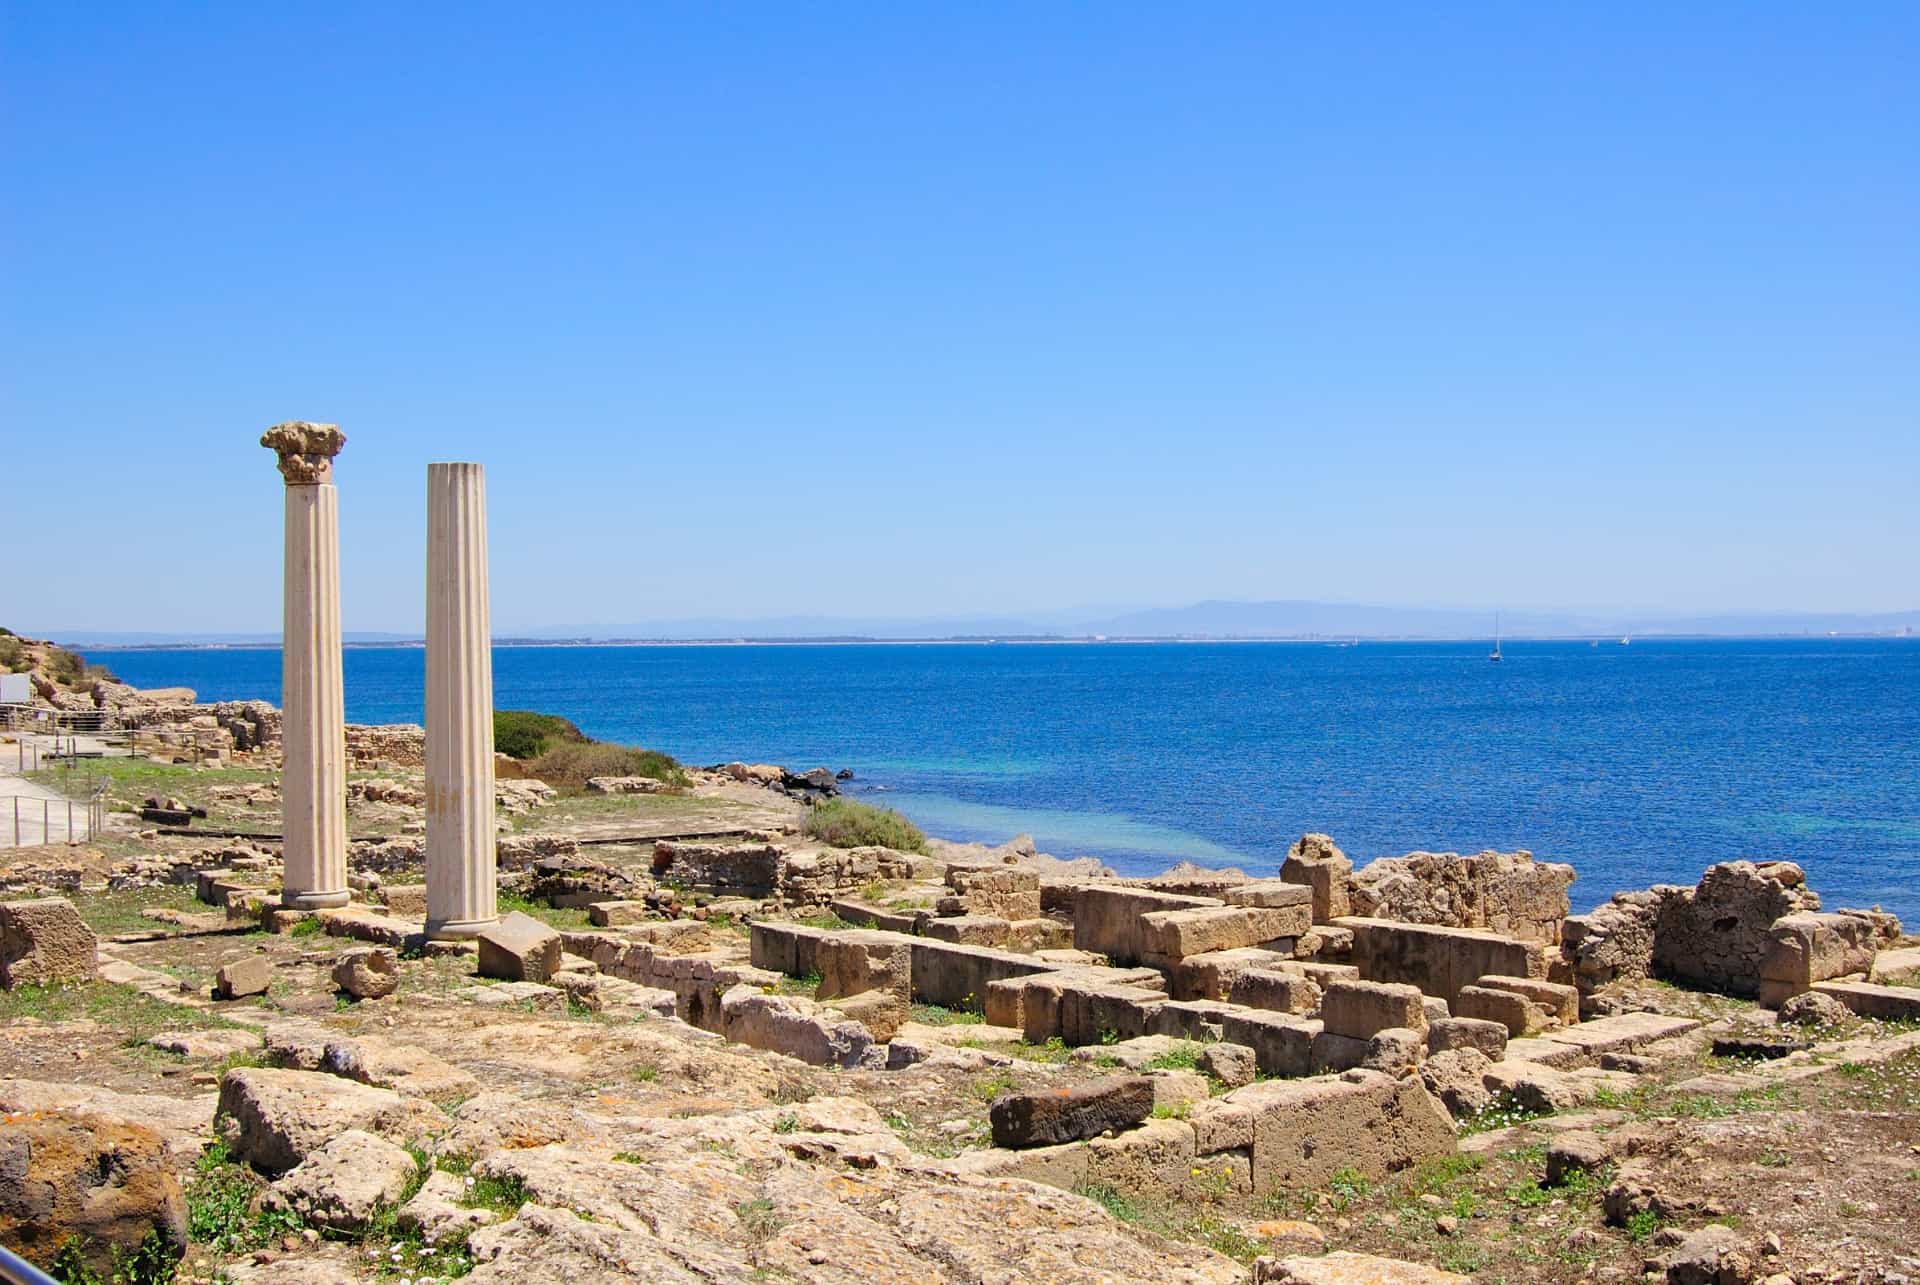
[
  {"x": 343, "y": 1184},
  {"x": 103, "y": 1181},
  {"x": 370, "y": 972}
]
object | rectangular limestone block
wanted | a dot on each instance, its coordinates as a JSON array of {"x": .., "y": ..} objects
[
  {"x": 1511, "y": 1010},
  {"x": 1283, "y": 992},
  {"x": 44, "y": 941},
  {"x": 1029, "y": 935},
  {"x": 519, "y": 948},
  {"x": 1210, "y": 975},
  {"x": 1107, "y": 918},
  {"x": 1867, "y": 999},
  {"x": 1809, "y": 947},
  {"x": 784, "y": 947},
  {"x": 1051, "y": 1116},
  {"x": 1626, "y": 1033},
  {"x": 1333, "y": 1053},
  {"x": 616, "y": 914},
  {"x": 1176, "y": 934},
  {"x": 1439, "y": 960},
  {"x": 1190, "y": 1019},
  {"x": 1305, "y": 1131},
  {"x": 1359, "y": 1009},
  {"x": 1559, "y": 1004},
  {"x": 968, "y": 930},
  {"x": 1282, "y": 1044},
  {"x": 1468, "y": 1032},
  {"x": 857, "y": 962},
  {"x": 1273, "y": 894}
]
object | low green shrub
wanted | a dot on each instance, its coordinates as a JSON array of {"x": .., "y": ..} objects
[
  {"x": 571, "y": 766},
  {"x": 843, "y": 823},
  {"x": 524, "y": 734}
]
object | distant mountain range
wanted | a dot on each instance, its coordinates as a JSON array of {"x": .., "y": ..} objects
[{"x": 1204, "y": 620}]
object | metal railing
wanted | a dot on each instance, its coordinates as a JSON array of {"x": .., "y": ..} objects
[
  {"x": 15, "y": 1270},
  {"x": 16, "y": 716},
  {"x": 82, "y": 819}
]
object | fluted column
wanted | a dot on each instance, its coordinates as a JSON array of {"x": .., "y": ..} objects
[
  {"x": 313, "y": 782},
  {"x": 460, "y": 818}
]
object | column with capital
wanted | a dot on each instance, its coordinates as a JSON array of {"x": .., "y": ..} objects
[
  {"x": 313, "y": 780},
  {"x": 461, "y": 887}
]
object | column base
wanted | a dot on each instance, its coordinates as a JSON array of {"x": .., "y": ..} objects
[
  {"x": 315, "y": 900},
  {"x": 459, "y": 929}
]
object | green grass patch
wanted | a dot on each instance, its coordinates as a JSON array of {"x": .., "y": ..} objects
[
  {"x": 135, "y": 1016},
  {"x": 512, "y": 901},
  {"x": 993, "y": 1084},
  {"x": 844, "y": 823},
  {"x": 111, "y": 913},
  {"x": 940, "y": 1015},
  {"x": 1185, "y": 1057}
]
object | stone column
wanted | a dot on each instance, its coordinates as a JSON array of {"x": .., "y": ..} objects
[
  {"x": 313, "y": 780},
  {"x": 461, "y": 897}
]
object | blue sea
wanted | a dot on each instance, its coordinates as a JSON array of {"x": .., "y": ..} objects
[{"x": 1639, "y": 764}]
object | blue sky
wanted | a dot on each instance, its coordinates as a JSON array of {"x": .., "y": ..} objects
[{"x": 892, "y": 309}]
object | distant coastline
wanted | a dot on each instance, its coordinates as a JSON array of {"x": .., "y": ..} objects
[{"x": 403, "y": 644}]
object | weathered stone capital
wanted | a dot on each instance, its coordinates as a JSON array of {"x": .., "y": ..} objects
[{"x": 306, "y": 450}]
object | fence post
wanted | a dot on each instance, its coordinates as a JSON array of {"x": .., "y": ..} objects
[
  {"x": 16, "y": 820},
  {"x": 46, "y": 829},
  {"x": 69, "y": 823}
]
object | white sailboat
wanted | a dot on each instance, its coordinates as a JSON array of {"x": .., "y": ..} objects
[{"x": 1495, "y": 653}]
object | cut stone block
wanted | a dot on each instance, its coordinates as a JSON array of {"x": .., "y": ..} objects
[
  {"x": 519, "y": 949},
  {"x": 1271, "y": 893},
  {"x": 1175, "y": 934},
  {"x": 1334, "y": 1053},
  {"x": 1282, "y": 992},
  {"x": 1559, "y": 1004},
  {"x": 1107, "y": 920},
  {"x": 781, "y": 1024},
  {"x": 1503, "y": 1006},
  {"x": 968, "y": 930},
  {"x": 1211, "y": 974},
  {"x": 1304, "y": 1131},
  {"x": 1190, "y": 1019},
  {"x": 614, "y": 914},
  {"x": 43, "y": 942},
  {"x": 1811, "y": 947},
  {"x": 1231, "y": 1064},
  {"x": 1358, "y": 1009},
  {"x": 1489, "y": 1038},
  {"x": 1315, "y": 863},
  {"x": 1282, "y": 1043},
  {"x": 1626, "y": 1033},
  {"x": 243, "y": 977},
  {"x": 854, "y": 963},
  {"x": 1882, "y": 1003},
  {"x": 1070, "y": 1114},
  {"x": 1439, "y": 960}
]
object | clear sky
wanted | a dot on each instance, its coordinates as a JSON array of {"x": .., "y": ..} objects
[{"x": 912, "y": 309}]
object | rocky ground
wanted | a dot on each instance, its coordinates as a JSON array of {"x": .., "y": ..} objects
[{"x": 566, "y": 1138}]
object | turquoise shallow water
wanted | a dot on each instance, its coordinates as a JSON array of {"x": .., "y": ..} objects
[{"x": 1638, "y": 764}]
